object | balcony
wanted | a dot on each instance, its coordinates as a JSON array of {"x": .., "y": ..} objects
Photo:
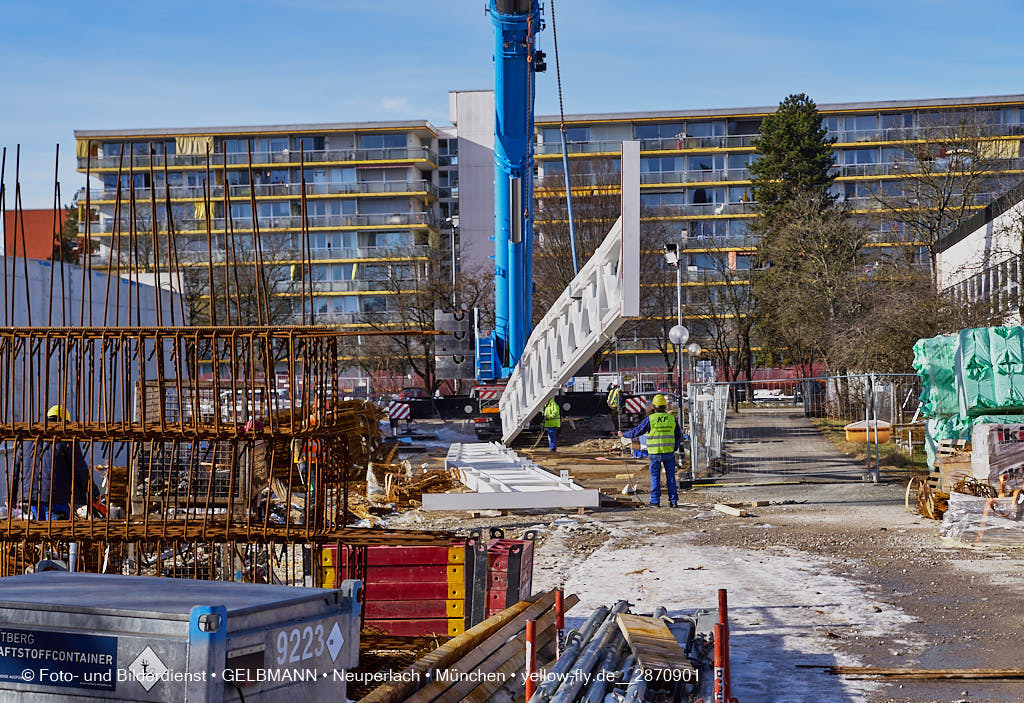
[
  {"x": 692, "y": 274},
  {"x": 661, "y": 177},
  {"x": 350, "y": 318},
  {"x": 674, "y": 144},
  {"x": 238, "y": 192},
  {"x": 698, "y": 210},
  {"x": 904, "y": 134},
  {"x": 728, "y": 242},
  {"x": 199, "y": 255},
  {"x": 360, "y": 286},
  {"x": 292, "y": 222},
  {"x": 260, "y": 158},
  {"x": 736, "y": 141}
]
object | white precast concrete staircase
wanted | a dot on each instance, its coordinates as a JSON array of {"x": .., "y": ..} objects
[
  {"x": 500, "y": 479},
  {"x": 604, "y": 294}
]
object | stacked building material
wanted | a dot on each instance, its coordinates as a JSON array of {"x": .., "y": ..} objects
[
  {"x": 410, "y": 591},
  {"x": 620, "y": 656},
  {"x": 426, "y": 591},
  {"x": 502, "y": 572},
  {"x": 987, "y": 378},
  {"x": 973, "y": 377},
  {"x": 481, "y": 664}
]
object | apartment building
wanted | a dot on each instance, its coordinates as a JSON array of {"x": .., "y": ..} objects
[
  {"x": 695, "y": 177},
  {"x": 371, "y": 200},
  {"x": 383, "y": 196}
]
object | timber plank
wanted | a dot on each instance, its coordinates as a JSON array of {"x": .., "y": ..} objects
[{"x": 652, "y": 643}]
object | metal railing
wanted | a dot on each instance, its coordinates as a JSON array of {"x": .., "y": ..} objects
[
  {"x": 897, "y": 134},
  {"x": 728, "y": 242},
  {"x": 742, "y": 141},
  {"x": 682, "y": 209},
  {"x": 287, "y": 156},
  {"x": 267, "y": 189},
  {"x": 190, "y": 224},
  {"x": 709, "y": 176},
  {"x": 665, "y": 144},
  {"x": 351, "y": 318},
  {"x": 361, "y": 285}
]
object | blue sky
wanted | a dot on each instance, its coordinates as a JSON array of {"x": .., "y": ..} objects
[{"x": 81, "y": 65}]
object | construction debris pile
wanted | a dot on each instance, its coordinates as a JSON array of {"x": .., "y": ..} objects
[{"x": 973, "y": 397}]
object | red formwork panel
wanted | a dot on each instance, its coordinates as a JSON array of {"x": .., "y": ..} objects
[
  {"x": 407, "y": 590},
  {"x": 440, "y": 627},
  {"x": 406, "y": 609},
  {"x": 401, "y": 574},
  {"x": 417, "y": 591}
]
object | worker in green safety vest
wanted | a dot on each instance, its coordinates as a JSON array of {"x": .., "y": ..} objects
[
  {"x": 552, "y": 421},
  {"x": 613, "y": 398},
  {"x": 663, "y": 438}
]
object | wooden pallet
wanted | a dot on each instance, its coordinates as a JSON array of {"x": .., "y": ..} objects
[{"x": 652, "y": 643}]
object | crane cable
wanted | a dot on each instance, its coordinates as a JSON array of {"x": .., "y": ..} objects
[{"x": 565, "y": 150}]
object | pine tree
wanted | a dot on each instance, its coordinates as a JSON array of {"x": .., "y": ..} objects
[{"x": 795, "y": 156}]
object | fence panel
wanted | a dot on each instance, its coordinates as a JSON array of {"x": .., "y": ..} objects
[{"x": 794, "y": 427}]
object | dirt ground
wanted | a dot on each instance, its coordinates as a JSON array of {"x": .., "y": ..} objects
[{"x": 829, "y": 573}]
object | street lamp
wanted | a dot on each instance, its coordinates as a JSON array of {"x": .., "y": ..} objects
[
  {"x": 693, "y": 350},
  {"x": 678, "y": 336}
]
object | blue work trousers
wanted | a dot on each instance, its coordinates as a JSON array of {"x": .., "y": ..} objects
[
  {"x": 552, "y": 443},
  {"x": 43, "y": 512},
  {"x": 669, "y": 462}
]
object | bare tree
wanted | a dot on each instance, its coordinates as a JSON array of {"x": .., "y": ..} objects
[
  {"x": 899, "y": 305},
  {"x": 806, "y": 282},
  {"x": 415, "y": 292},
  {"x": 953, "y": 169},
  {"x": 722, "y": 300}
]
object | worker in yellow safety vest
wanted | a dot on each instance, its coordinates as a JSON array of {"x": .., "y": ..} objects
[
  {"x": 663, "y": 438},
  {"x": 306, "y": 452},
  {"x": 613, "y": 398},
  {"x": 552, "y": 421}
]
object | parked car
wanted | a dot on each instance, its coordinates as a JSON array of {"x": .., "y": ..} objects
[{"x": 412, "y": 393}]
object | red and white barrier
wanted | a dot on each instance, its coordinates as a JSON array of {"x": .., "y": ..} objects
[
  {"x": 635, "y": 406},
  {"x": 399, "y": 411}
]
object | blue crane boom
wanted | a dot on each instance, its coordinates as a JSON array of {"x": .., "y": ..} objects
[{"x": 516, "y": 62}]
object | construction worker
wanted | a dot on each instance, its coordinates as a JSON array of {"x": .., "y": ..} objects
[
  {"x": 50, "y": 474},
  {"x": 306, "y": 451},
  {"x": 663, "y": 439},
  {"x": 552, "y": 421},
  {"x": 614, "y": 398}
]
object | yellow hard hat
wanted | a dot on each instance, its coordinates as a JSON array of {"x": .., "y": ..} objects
[
  {"x": 659, "y": 401},
  {"x": 57, "y": 412}
]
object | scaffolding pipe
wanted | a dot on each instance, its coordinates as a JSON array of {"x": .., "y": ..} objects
[{"x": 576, "y": 677}]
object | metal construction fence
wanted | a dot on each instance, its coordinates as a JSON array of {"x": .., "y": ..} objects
[{"x": 798, "y": 426}]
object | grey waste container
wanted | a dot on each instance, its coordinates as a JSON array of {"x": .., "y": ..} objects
[
  {"x": 76, "y": 636},
  {"x": 813, "y": 398}
]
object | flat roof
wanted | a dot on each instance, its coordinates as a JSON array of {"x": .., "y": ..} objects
[
  {"x": 403, "y": 125},
  {"x": 879, "y": 105}
]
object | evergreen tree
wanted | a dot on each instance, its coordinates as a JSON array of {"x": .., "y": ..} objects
[
  {"x": 795, "y": 155},
  {"x": 65, "y": 248}
]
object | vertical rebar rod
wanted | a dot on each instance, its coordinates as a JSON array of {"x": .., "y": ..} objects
[{"x": 208, "y": 215}]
